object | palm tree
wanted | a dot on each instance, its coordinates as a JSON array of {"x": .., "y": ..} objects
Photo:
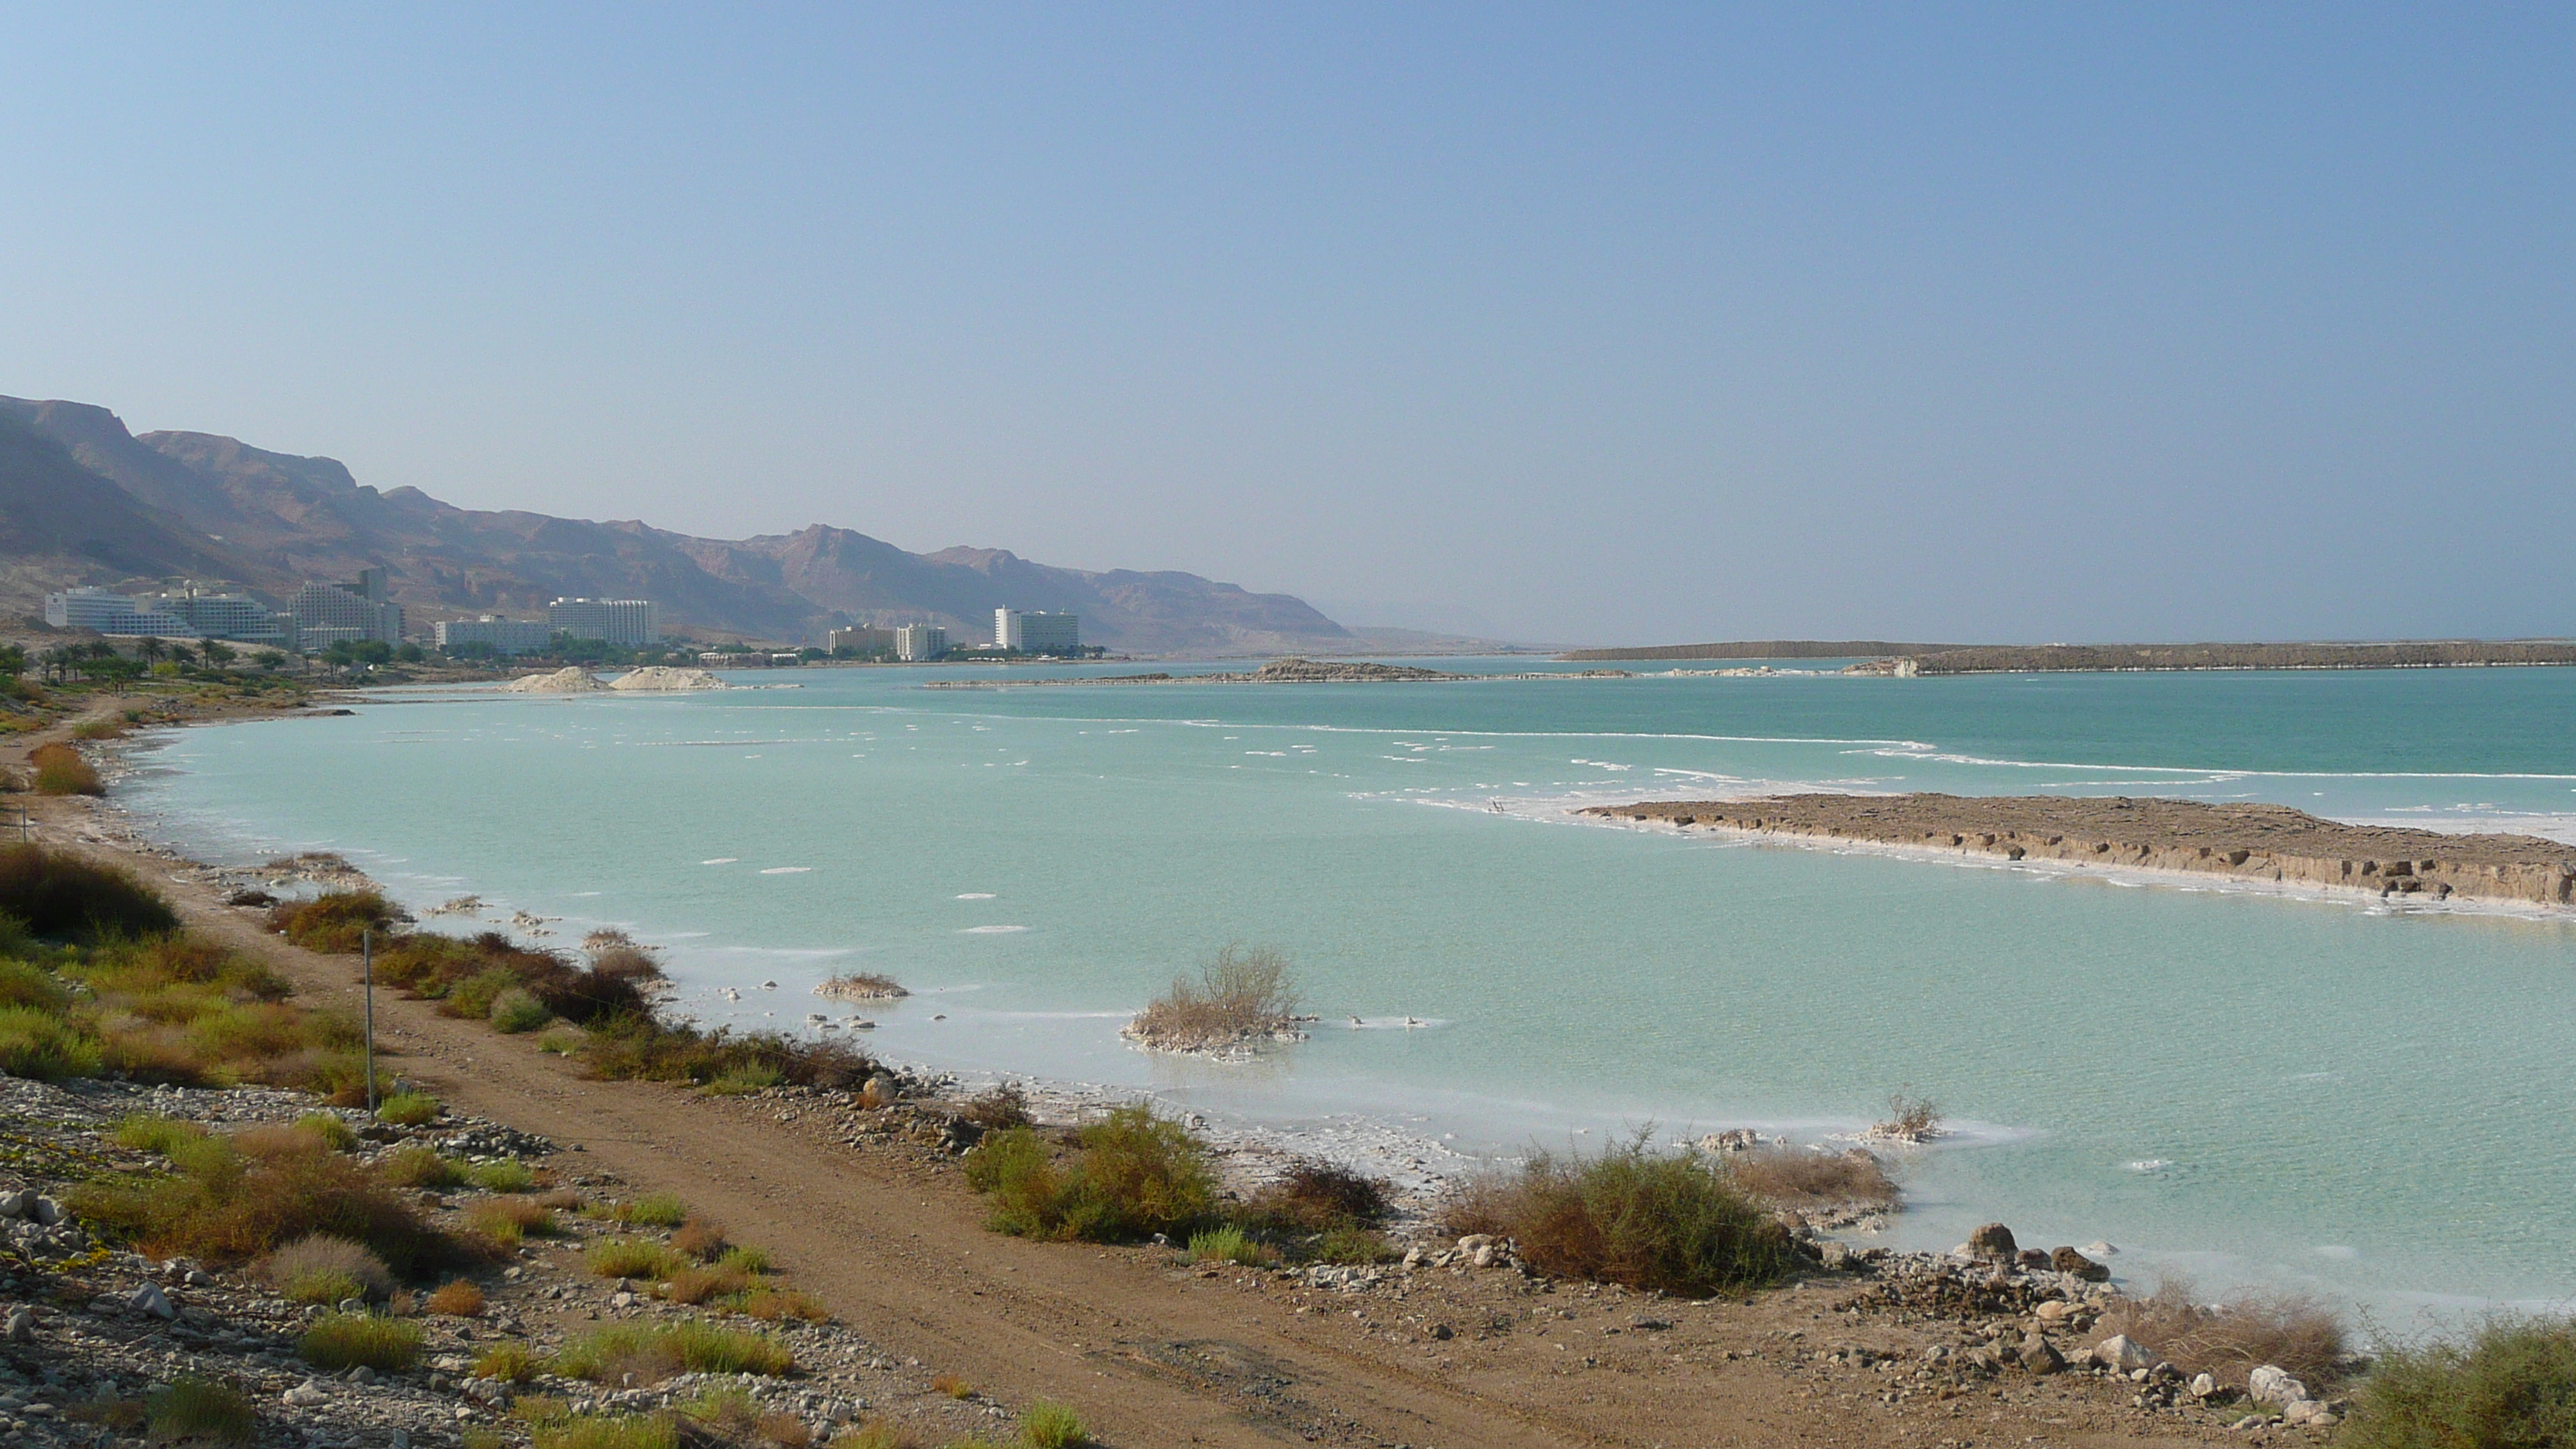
[{"x": 151, "y": 648}]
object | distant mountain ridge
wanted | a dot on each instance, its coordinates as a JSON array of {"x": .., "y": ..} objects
[{"x": 87, "y": 501}]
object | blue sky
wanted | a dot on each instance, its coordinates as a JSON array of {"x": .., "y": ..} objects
[{"x": 1566, "y": 324}]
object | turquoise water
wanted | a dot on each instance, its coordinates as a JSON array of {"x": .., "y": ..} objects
[{"x": 2366, "y": 1100}]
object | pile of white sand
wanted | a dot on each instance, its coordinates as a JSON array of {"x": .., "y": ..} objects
[
  {"x": 571, "y": 679},
  {"x": 662, "y": 676}
]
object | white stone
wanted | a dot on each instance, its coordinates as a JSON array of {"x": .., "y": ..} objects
[
  {"x": 2202, "y": 1386},
  {"x": 306, "y": 1394},
  {"x": 2308, "y": 1412},
  {"x": 148, "y": 1298},
  {"x": 2271, "y": 1385},
  {"x": 2120, "y": 1352}
]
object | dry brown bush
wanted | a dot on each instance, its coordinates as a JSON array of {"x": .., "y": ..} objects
[
  {"x": 698, "y": 1285},
  {"x": 457, "y": 1298},
  {"x": 2230, "y": 1340},
  {"x": 1242, "y": 995},
  {"x": 700, "y": 1238},
  {"x": 1315, "y": 1196},
  {"x": 998, "y": 1110},
  {"x": 321, "y": 1255},
  {"x": 1910, "y": 1119},
  {"x": 1798, "y": 1177}
]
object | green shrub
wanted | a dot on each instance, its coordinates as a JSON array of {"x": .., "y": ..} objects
[
  {"x": 199, "y": 1410},
  {"x": 653, "y": 1353},
  {"x": 334, "y": 1133},
  {"x": 1227, "y": 1245},
  {"x": 621, "y": 1431},
  {"x": 1651, "y": 1221},
  {"x": 742, "y": 1081},
  {"x": 164, "y": 1135},
  {"x": 36, "y": 1043},
  {"x": 346, "y": 1340},
  {"x": 26, "y": 984},
  {"x": 1052, "y": 1426},
  {"x": 516, "y": 1011},
  {"x": 323, "y": 1269},
  {"x": 634, "y": 1258},
  {"x": 225, "y": 1207},
  {"x": 60, "y": 770},
  {"x": 1135, "y": 1174},
  {"x": 2510, "y": 1386},
  {"x": 409, "y": 1109},
  {"x": 417, "y": 1166},
  {"x": 473, "y": 996},
  {"x": 652, "y": 1210},
  {"x": 53, "y": 893},
  {"x": 335, "y": 921},
  {"x": 507, "y": 1174},
  {"x": 1356, "y": 1246},
  {"x": 744, "y": 1259}
]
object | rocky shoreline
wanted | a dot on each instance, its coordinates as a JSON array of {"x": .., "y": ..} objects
[{"x": 2269, "y": 844}]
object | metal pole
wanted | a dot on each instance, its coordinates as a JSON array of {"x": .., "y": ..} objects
[{"x": 367, "y": 959}]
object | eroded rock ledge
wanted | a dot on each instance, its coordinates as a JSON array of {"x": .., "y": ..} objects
[{"x": 2252, "y": 842}]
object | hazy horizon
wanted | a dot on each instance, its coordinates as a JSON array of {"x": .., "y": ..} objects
[{"x": 1651, "y": 326}]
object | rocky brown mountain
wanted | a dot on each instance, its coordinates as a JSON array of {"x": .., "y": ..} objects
[{"x": 207, "y": 506}]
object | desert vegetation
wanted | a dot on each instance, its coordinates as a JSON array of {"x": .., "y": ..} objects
[
  {"x": 1799, "y": 1179},
  {"x": 2509, "y": 1385},
  {"x": 1132, "y": 1174},
  {"x": 1909, "y": 1119},
  {"x": 1243, "y": 995},
  {"x": 861, "y": 986},
  {"x": 2231, "y": 1339},
  {"x": 232, "y": 1199},
  {"x": 55, "y": 894},
  {"x": 1657, "y": 1221},
  {"x": 62, "y": 770}
]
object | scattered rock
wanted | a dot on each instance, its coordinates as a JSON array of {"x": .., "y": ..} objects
[
  {"x": 2272, "y": 1385},
  {"x": 2308, "y": 1413},
  {"x": 2040, "y": 1356},
  {"x": 1993, "y": 1242},
  {"x": 148, "y": 1298},
  {"x": 2121, "y": 1354},
  {"x": 2069, "y": 1261},
  {"x": 2202, "y": 1386}
]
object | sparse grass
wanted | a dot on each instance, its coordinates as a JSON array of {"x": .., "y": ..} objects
[
  {"x": 417, "y": 1166},
  {"x": 739, "y": 1259},
  {"x": 409, "y": 1109},
  {"x": 999, "y": 1110},
  {"x": 743, "y": 1081},
  {"x": 2229, "y": 1340},
  {"x": 700, "y": 1238},
  {"x": 1796, "y": 1177},
  {"x": 1354, "y": 1245},
  {"x": 346, "y": 1340},
  {"x": 1652, "y": 1221},
  {"x": 510, "y": 1362},
  {"x": 199, "y": 1410},
  {"x": 1229, "y": 1245},
  {"x": 652, "y": 1210},
  {"x": 60, "y": 770},
  {"x": 1048, "y": 1425},
  {"x": 1244, "y": 994},
  {"x": 226, "y": 1206},
  {"x": 610, "y": 1431},
  {"x": 2511, "y": 1385},
  {"x": 99, "y": 729},
  {"x": 56, "y": 894},
  {"x": 331, "y": 1131},
  {"x": 507, "y": 1174},
  {"x": 335, "y": 921},
  {"x": 326, "y": 1270},
  {"x": 456, "y": 1298},
  {"x": 509, "y": 1220},
  {"x": 654, "y": 1353},
  {"x": 164, "y": 1135},
  {"x": 634, "y": 1258},
  {"x": 705, "y": 1285},
  {"x": 877, "y": 1435},
  {"x": 953, "y": 1386},
  {"x": 1134, "y": 1174},
  {"x": 35, "y": 1043},
  {"x": 778, "y": 1305}
]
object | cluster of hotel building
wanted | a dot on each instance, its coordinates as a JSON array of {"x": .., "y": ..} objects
[
  {"x": 1026, "y": 633},
  {"x": 324, "y": 614}
]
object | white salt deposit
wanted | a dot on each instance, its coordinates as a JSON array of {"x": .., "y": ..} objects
[
  {"x": 663, "y": 677},
  {"x": 571, "y": 679}
]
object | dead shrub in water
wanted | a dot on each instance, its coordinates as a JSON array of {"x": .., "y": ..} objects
[
  {"x": 1315, "y": 1196},
  {"x": 2513, "y": 1383},
  {"x": 1909, "y": 1119},
  {"x": 1792, "y": 1177},
  {"x": 1243, "y": 995},
  {"x": 2230, "y": 1340},
  {"x": 861, "y": 986},
  {"x": 1649, "y": 1220}
]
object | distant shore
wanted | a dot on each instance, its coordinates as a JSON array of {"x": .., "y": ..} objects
[
  {"x": 1922, "y": 659},
  {"x": 1280, "y": 671},
  {"x": 2253, "y": 843}
]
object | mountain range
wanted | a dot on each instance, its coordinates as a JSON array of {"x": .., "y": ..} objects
[{"x": 84, "y": 501}]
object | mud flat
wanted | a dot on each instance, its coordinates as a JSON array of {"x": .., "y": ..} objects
[{"x": 2269, "y": 843}]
